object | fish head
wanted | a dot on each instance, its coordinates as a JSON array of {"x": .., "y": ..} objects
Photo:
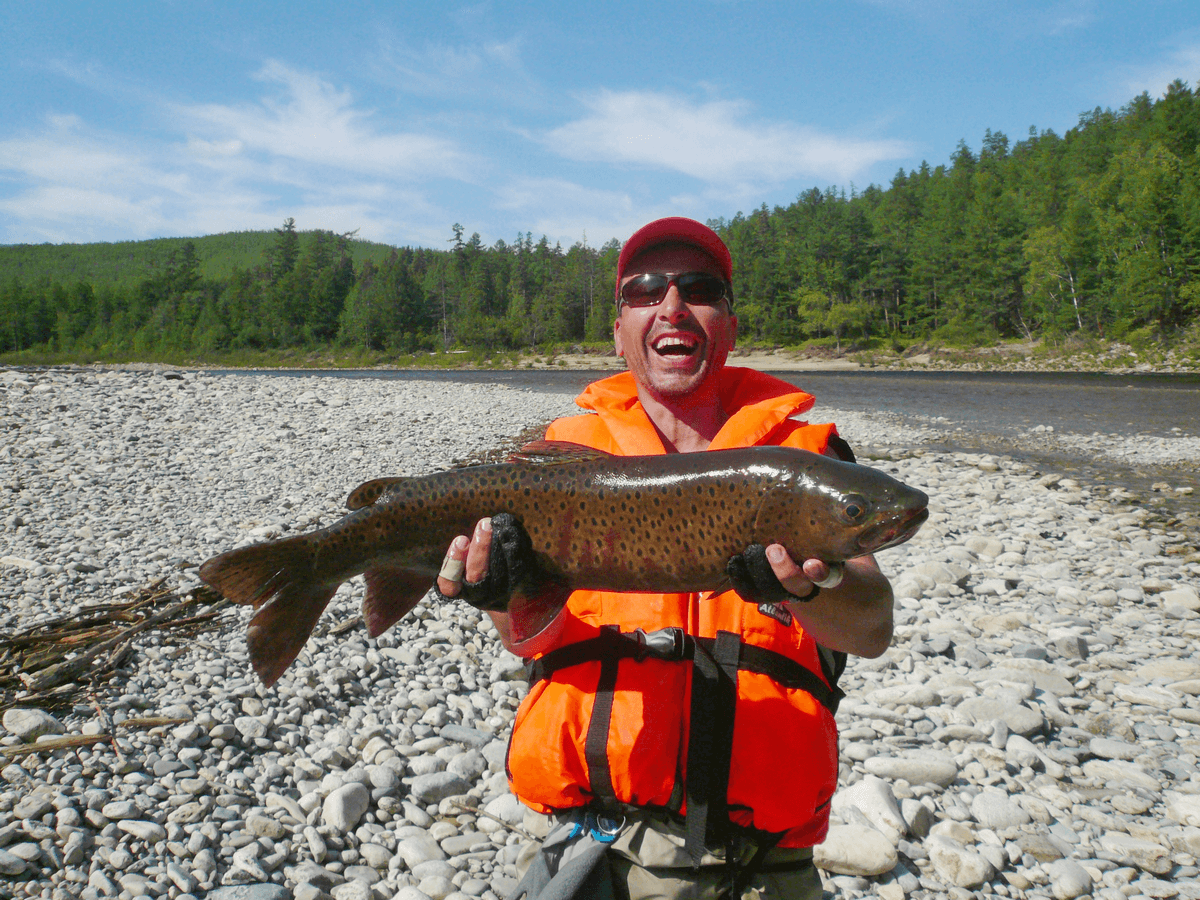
[{"x": 833, "y": 510}]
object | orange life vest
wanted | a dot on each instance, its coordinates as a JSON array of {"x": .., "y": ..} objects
[{"x": 610, "y": 711}]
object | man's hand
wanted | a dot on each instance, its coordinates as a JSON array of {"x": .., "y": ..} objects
[
  {"x": 499, "y": 563},
  {"x": 468, "y": 562},
  {"x": 801, "y": 580}
]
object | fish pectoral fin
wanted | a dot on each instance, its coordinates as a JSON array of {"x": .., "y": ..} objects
[
  {"x": 392, "y": 592},
  {"x": 277, "y": 632},
  {"x": 548, "y": 453},
  {"x": 369, "y": 491},
  {"x": 536, "y": 605}
]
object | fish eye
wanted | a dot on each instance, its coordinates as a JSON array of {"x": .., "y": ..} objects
[{"x": 855, "y": 507}]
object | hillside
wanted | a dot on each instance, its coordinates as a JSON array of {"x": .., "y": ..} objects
[{"x": 126, "y": 263}]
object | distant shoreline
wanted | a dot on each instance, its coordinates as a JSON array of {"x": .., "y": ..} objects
[{"x": 1111, "y": 358}]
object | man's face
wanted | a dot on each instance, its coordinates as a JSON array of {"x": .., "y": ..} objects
[{"x": 673, "y": 349}]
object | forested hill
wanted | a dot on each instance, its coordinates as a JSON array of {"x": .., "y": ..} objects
[
  {"x": 128, "y": 263},
  {"x": 1096, "y": 231}
]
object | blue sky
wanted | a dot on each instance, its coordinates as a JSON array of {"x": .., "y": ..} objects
[{"x": 124, "y": 121}]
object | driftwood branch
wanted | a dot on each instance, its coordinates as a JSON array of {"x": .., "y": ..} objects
[
  {"x": 66, "y": 741},
  {"x": 46, "y": 665}
]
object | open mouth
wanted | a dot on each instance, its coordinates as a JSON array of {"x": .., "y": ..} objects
[{"x": 676, "y": 345}]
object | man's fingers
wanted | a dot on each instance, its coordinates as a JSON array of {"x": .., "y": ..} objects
[
  {"x": 794, "y": 578},
  {"x": 479, "y": 553},
  {"x": 450, "y": 578},
  {"x": 799, "y": 579}
]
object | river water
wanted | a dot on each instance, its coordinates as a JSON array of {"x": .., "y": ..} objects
[{"x": 991, "y": 412}]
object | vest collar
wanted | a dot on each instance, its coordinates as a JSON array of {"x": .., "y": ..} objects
[{"x": 756, "y": 403}]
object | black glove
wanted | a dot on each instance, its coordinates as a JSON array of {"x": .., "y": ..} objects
[
  {"x": 755, "y": 580},
  {"x": 511, "y": 564}
]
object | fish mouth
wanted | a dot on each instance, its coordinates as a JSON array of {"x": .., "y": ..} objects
[{"x": 892, "y": 533}]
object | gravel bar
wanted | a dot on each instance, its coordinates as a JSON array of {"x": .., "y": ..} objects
[{"x": 1034, "y": 731}]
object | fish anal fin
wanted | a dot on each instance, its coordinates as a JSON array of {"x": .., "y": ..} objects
[
  {"x": 391, "y": 593},
  {"x": 277, "y": 632},
  {"x": 546, "y": 453},
  {"x": 369, "y": 491}
]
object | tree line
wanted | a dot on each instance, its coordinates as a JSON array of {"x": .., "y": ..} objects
[{"x": 1092, "y": 232}]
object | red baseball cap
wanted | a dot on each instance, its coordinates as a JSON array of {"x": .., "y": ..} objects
[{"x": 675, "y": 229}]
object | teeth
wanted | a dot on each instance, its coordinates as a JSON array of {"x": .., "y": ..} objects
[{"x": 666, "y": 342}]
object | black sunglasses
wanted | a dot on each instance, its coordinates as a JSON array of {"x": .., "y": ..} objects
[{"x": 695, "y": 288}]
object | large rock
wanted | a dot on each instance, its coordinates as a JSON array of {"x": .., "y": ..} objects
[
  {"x": 345, "y": 806},
  {"x": 983, "y": 710},
  {"x": 956, "y": 864},
  {"x": 855, "y": 850},
  {"x": 30, "y": 724},
  {"x": 1185, "y": 595},
  {"x": 993, "y": 809},
  {"x": 917, "y": 767},
  {"x": 1146, "y": 855},
  {"x": 872, "y": 797},
  {"x": 1068, "y": 879},
  {"x": 437, "y": 786},
  {"x": 1113, "y": 772},
  {"x": 250, "y": 892},
  {"x": 1183, "y": 808},
  {"x": 419, "y": 848}
]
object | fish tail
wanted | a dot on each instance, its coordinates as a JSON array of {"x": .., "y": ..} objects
[{"x": 276, "y": 579}]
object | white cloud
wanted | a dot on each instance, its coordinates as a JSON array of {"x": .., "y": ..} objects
[
  {"x": 491, "y": 71},
  {"x": 317, "y": 124},
  {"x": 716, "y": 142},
  {"x": 1153, "y": 77},
  {"x": 306, "y": 152}
]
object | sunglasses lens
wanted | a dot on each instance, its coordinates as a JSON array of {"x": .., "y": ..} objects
[
  {"x": 644, "y": 290},
  {"x": 697, "y": 288}
]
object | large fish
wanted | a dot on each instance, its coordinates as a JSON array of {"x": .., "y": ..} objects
[{"x": 620, "y": 523}]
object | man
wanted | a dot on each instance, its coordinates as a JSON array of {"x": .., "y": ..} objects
[{"x": 715, "y": 771}]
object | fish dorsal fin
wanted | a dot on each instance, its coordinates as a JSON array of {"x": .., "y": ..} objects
[
  {"x": 370, "y": 491},
  {"x": 549, "y": 453}
]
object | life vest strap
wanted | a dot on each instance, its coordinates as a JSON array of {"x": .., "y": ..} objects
[
  {"x": 673, "y": 645},
  {"x": 595, "y": 745},
  {"x": 710, "y": 741}
]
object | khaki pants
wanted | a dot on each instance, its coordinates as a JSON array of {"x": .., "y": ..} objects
[{"x": 649, "y": 863}]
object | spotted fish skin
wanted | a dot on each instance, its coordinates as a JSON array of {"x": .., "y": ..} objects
[{"x": 621, "y": 523}]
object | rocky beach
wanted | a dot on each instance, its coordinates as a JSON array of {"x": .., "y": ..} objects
[{"x": 1033, "y": 732}]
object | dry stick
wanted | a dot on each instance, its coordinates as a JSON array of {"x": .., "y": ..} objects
[
  {"x": 57, "y": 743},
  {"x": 107, "y": 722},
  {"x": 82, "y": 740},
  {"x": 347, "y": 625},
  {"x": 152, "y": 722}
]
